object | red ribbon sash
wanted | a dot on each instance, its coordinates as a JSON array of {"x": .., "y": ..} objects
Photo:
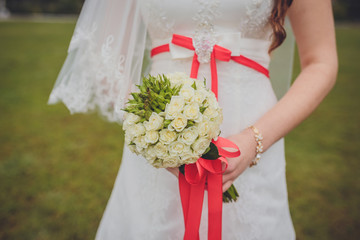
[
  {"x": 218, "y": 53},
  {"x": 192, "y": 187}
]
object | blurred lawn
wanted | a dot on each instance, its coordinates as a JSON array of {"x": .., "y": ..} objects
[{"x": 57, "y": 170}]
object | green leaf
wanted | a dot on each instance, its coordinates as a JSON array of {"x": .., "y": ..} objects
[
  {"x": 202, "y": 109},
  {"x": 148, "y": 114},
  {"x": 230, "y": 195},
  {"x": 194, "y": 86},
  {"x": 212, "y": 154},
  {"x": 190, "y": 123},
  {"x": 136, "y": 97},
  {"x": 157, "y": 110},
  {"x": 207, "y": 150},
  {"x": 182, "y": 169},
  {"x": 132, "y": 101},
  {"x": 166, "y": 123}
]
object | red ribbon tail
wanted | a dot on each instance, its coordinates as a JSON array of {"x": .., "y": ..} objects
[
  {"x": 184, "y": 188},
  {"x": 215, "y": 203},
  {"x": 192, "y": 197},
  {"x": 194, "y": 67},
  {"x": 214, "y": 79}
]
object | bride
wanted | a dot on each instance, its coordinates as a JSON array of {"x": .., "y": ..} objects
[{"x": 115, "y": 41}]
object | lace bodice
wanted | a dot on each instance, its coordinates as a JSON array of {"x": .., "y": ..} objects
[
  {"x": 240, "y": 26},
  {"x": 248, "y": 17}
]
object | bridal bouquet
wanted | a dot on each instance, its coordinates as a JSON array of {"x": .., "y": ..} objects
[{"x": 172, "y": 120}]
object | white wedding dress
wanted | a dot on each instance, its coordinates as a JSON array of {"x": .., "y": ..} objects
[{"x": 145, "y": 202}]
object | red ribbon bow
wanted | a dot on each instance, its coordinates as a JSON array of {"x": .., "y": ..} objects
[
  {"x": 192, "y": 187},
  {"x": 218, "y": 53}
]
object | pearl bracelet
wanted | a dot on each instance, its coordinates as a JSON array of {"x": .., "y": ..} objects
[{"x": 259, "y": 145}]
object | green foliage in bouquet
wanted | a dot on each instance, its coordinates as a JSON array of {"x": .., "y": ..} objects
[{"x": 155, "y": 93}]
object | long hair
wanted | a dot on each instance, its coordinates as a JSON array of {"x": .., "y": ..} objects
[{"x": 277, "y": 19}]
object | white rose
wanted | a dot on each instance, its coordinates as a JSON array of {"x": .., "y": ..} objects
[
  {"x": 199, "y": 119},
  {"x": 138, "y": 149},
  {"x": 200, "y": 145},
  {"x": 192, "y": 111},
  {"x": 176, "y": 78},
  {"x": 175, "y": 106},
  {"x": 177, "y": 148},
  {"x": 160, "y": 150},
  {"x": 157, "y": 163},
  {"x": 203, "y": 127},
  {"x": 199, "y": 84},
  {"x": 219, "y": 118},
  {"x": 171, "y": 161},
  {"x": 211, "y": 112},
  {"x": 130, "y": 119},
  {"x": 127, "y": 139},
  {"x": 135, "y": 131},
  {"x": 214, "y": 130},
  {"x": 188, "y": 81},
  {"x": 167, "y": 136},
  {"x": 139, "y": 129},
  {"x": 189, "y": 158},
  {"x": 151, "y": 136},
  {"x": 150, "y": 154},
  {"x": 155, "y": 122},
  {"x": 140, "y": 142},
  {"x": 188, "y": 136},
  {"x": 211, "y": 100},
  {"x": 179, "y": 123},
  {"x": 187, "y": 92},
  {"x": 177, "y": 101},
  {"x": 199, "y": 96},
  {"x": 171, "y": 111},
  {"x": 133, "y": 148}
]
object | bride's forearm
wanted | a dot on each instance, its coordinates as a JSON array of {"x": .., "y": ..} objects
[
  {"x": 313, "y": 27},
  {"x": 309, "y": 89}
]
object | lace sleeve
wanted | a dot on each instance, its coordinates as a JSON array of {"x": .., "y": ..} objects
[{"x": 104, "y": 59}]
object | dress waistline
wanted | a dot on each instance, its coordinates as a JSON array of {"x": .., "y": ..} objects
[
  {"x": 255, "y": 49},
  {"x": 214, "y": 52}
]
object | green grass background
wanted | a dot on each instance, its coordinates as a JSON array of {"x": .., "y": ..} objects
[{"x": 57, "y": 170}]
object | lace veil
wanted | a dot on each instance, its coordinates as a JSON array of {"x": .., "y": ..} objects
[
  {"x": 104, "y": 59},
  {"x": 106, "y": 55}
]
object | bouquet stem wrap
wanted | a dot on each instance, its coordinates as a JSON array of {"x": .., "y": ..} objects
[{"x": 203, "y": 174}]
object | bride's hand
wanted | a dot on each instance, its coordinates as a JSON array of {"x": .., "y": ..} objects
[
  {"x": 247, "y": 144},
  {"x": 174, "y": 171}
]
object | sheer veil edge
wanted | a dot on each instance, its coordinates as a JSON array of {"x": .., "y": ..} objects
[{"x": 105, "y": 59}]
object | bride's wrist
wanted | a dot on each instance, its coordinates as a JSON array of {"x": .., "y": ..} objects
[
  {"x": 258, "y": 138},
  {"x": 247, "y": 144}
]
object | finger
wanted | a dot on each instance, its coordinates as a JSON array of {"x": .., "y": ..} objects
[
  {"x": 174, "y": 171},
  {"x": 227, "y": 177},
  {"x": 223, "y": 166},
  {"x": 228, "y": 170},
  {"x": 226, "y": 186},
  {"x": 231, "y": 167}
]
